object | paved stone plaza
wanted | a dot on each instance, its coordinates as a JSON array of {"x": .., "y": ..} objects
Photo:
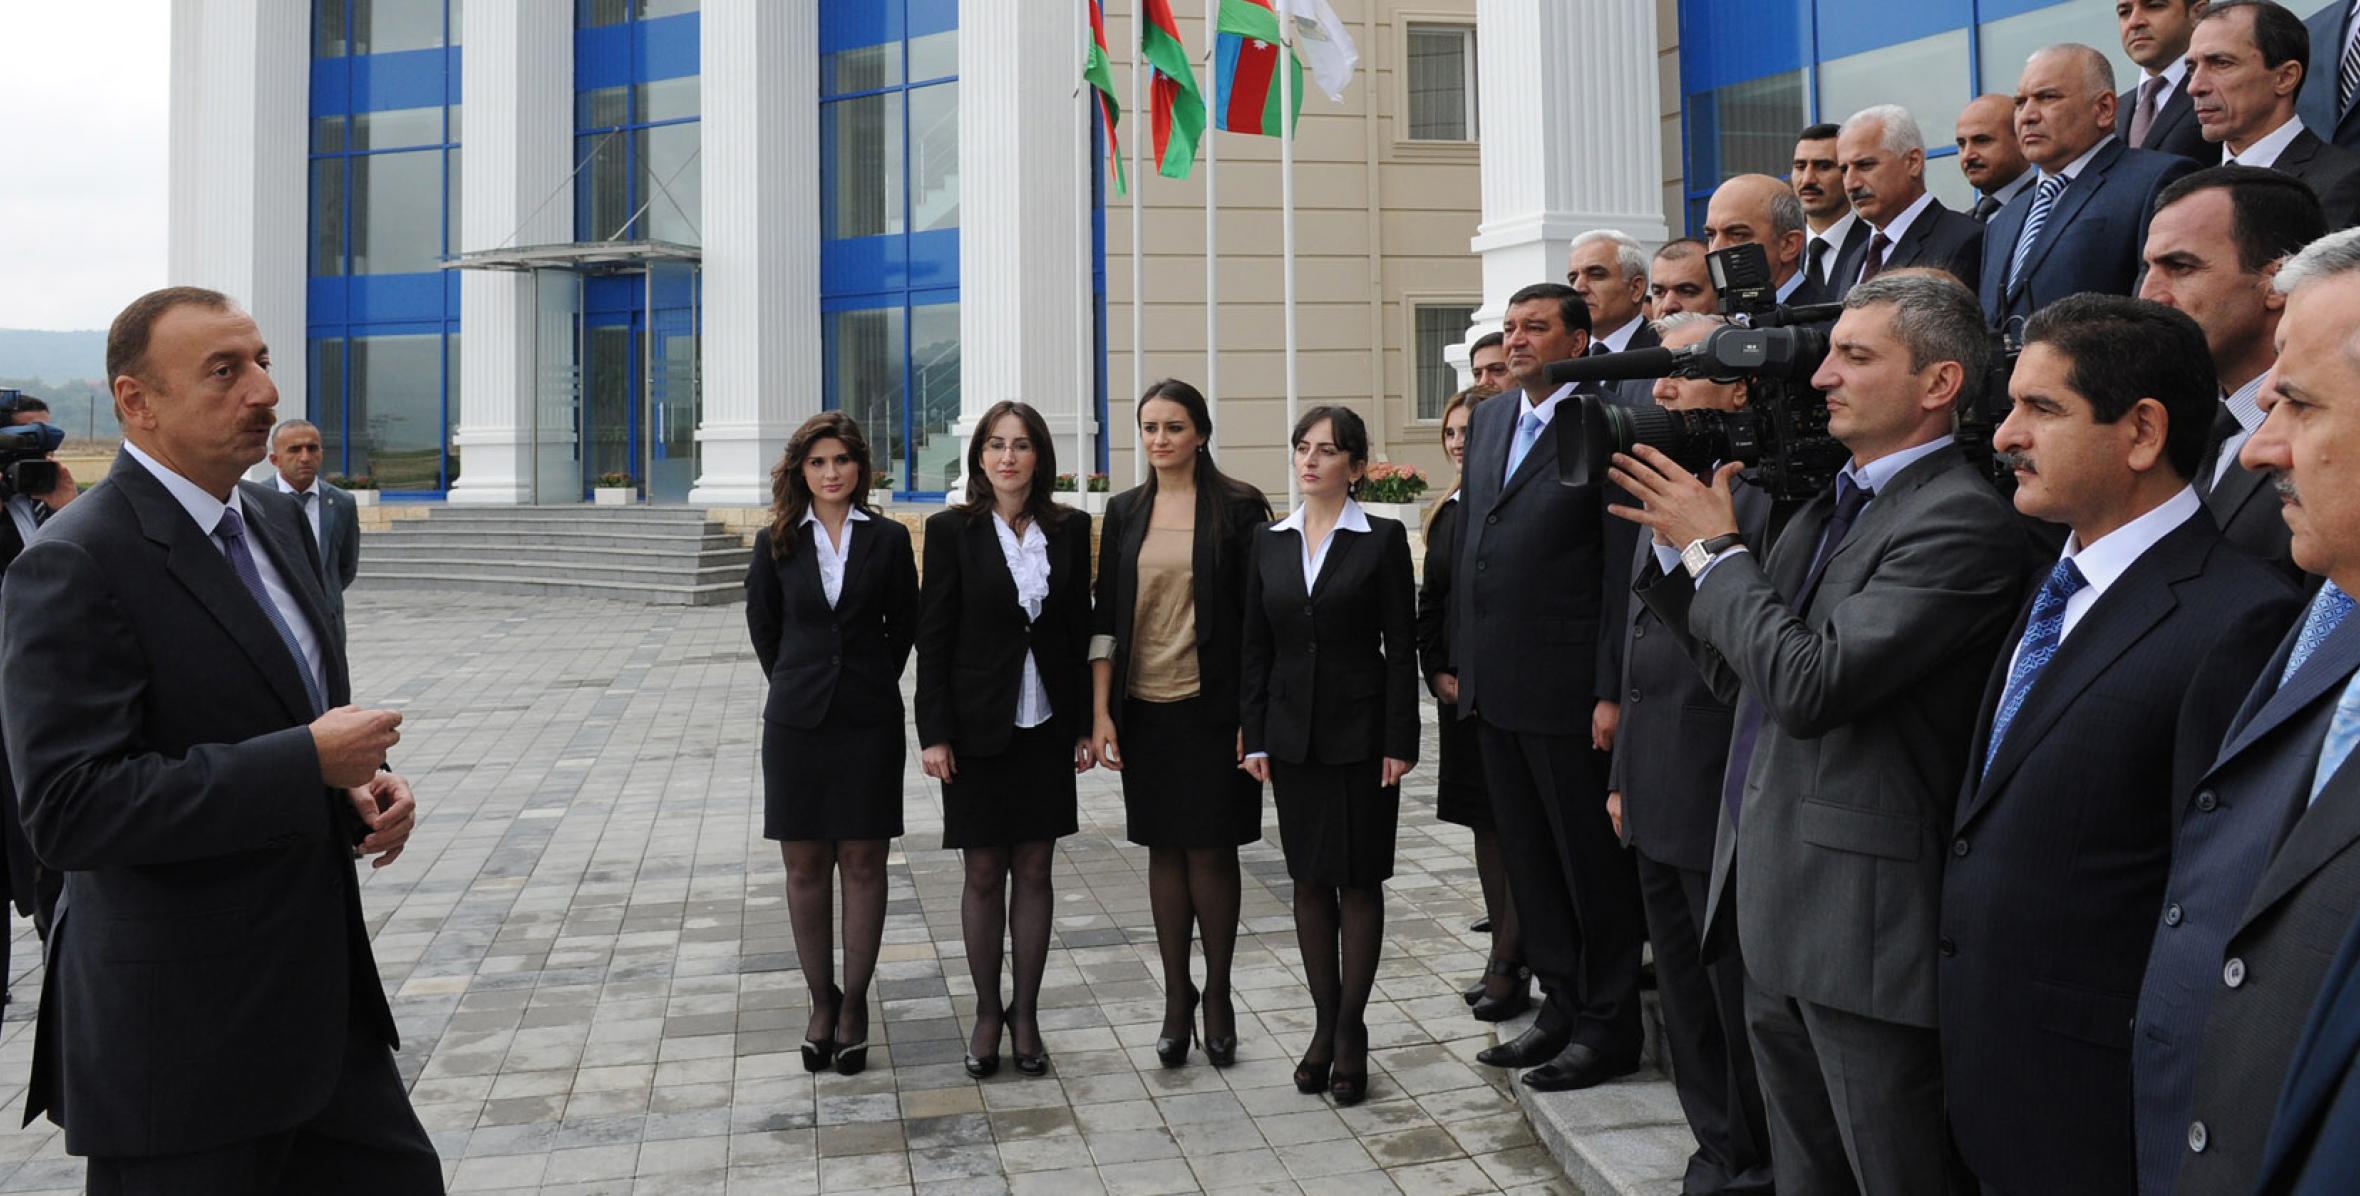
[{"x": 587, "y": 948}]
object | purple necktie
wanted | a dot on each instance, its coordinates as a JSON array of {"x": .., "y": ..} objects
[{"x": 231, "y": 531}]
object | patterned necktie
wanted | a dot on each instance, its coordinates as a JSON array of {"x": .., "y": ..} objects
[
  {"x": 231, "y": 531},
  {"x": 1850, "y": 499},
  {"x": 2348, "y": 70},
  {"x": 1818, "y": 271},
  {"x": 41, "y": 512},
  {"x": 1528, "y": 430},
  {"x": 2327, "y": 612},
  {"x": 2342, "y": 732},
  {"x": 2044, "y": 633},
  {"x": 2044, "y": 197},
  {"x": 1877, "y": 245},
  {"x": 2144, "y": 118}
]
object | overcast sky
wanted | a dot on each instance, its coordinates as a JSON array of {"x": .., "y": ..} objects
[{"x": 82, "y": 154}]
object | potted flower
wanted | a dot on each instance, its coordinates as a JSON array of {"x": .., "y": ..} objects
[
  {"x": 363, "y": 488},
  {"x": 1392, "y": 490},
  {"x": 1095, "y": 496},
  {"x": 616, "y": 489},
  {"x": 1066, "y": 488}
]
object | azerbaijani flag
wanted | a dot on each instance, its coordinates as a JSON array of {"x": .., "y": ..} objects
[
  {"x": 1098, "y": 70},
  {"x": 1176, "y": 108},
  {"x": 1245, "y": 70}
]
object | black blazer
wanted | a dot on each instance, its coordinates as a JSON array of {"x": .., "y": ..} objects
[
  {"x": 1634, "y": 392},
  {"x": 1442, "y": 550},
  {"x": 2092, "y": 238},
  {"x": 1223, "y": 548},
  {"x": 1331, "y": 675},
  {"x": 208, "y": 961},
  {"x": 2331, "y": 171},
  {"x": 16, "y": 856},
  {"x": 2246, "y": 508},
  {"x": 2174, "y": 129},
  {"x": 1843, "y": 267},
  {"x": 2046, "y": 918},
  {"x": 1942, "y": 240},
  {"x": 973, "y": 636},
  {"x": 847, "y": 659}
]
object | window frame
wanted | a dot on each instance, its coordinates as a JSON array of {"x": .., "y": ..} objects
[
  {"x": 1405, "y": 23},
  {"x": 1412, "y": 303}
]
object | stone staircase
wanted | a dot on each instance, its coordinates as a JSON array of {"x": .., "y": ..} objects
[{"x": 658, "y": 556}]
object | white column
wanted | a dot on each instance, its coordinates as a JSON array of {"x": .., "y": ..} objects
[
  {"x": 240, "y": 195},
  {"x": 1570, "y": 104},
  {"x": 761, "y": 227},
  {"x": 517, "y": 135},
  {"x": 1019, "y": 306}
]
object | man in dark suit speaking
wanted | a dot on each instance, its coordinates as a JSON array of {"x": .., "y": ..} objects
[
  {"x": 211, "y": 1020},
  {"x": 1859, "y": 647}
]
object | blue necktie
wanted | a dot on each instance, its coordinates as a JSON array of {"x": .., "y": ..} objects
[
  {"x": 1851, "y": 498},
  {"x": 2342, "y": 732},
  {"x": 2043, "y": 198},
  {"x": 1528, "y": 430},
  {"x": 231, "y": 531},
  {"x": 2044, "y": 633},
  {"x": 2327, "y": 612}
]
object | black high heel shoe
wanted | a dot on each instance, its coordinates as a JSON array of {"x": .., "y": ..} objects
[
  {"x": 987, "y": 1066},
  {"x": 1351, "y": 1087},
  {"x": 1037, "y": 1062},
  {"x": 819, "y": 1054},
  {"x": 1311, "y": 1079},
  {"x": 1220, "y": 1052},
  {"x": 1518, "y": 998},
  {"x": 852, "y": 1058},
  {"x": 1172, "y": 1052}
]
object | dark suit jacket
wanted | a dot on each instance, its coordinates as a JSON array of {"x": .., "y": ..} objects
[
  {"x": 973, "y": 636},
  {"x": 208, "y": 961},
  {"x": 2314, "y": 1145},
  {"x": 16, "y": 856},
  {"x": 2046, "y": 915},
  {"x": 847, "y": 659},
  {"x": 2174, "y": 130},
  {"x": 1674, "y": 737},
  {"x": 1848, "y": 805},
  {"x": 1331, "y": 676},
  {"x": 2242, "y": 887},
  {"x": 1223, "y": 549},
  {"x": 1635, "y": 392},
  {"x": 1843, "y": 269},
  {"x": 2332, "y": 172},
  {"x": 2246, "y": 509},
  {"x": 2092, "y": 239},
  {"x": 1442, "y": 550},
  {"x": 1941, "y": 239},
  {"x": 1541, "y": 582},
  {"x": 2318, "y": 102}
]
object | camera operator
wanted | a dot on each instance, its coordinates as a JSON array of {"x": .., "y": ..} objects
[
  {"x": 25, "y": 886},
  {"x": 29, "y": 511},
  {"x": 1859, "y": 645}
]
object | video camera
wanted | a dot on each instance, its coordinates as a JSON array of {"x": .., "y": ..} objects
[
  {"x": 24, "y": 451},
  {"x": 1780, "y": 435}
]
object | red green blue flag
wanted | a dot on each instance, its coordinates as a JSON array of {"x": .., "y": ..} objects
[
  {"x": 1176, "y": 113},
  {"x": 1098, "y": 70},
  {"x": 1245, "y": 70}
]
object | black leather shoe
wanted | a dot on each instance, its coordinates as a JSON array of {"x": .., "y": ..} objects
[
  {"x": 1577, "y": 1067},
  {"x": 1529, "y": 1049},
  {"x": 1172, "y": 1052},
  {"x": 987, "y": 1066},
  {"x": 1032, "y": 1065},
  {"x": 1480, "y": 926},
  {"x": 1473, "y": 992},
  {"x": 1516, "y": 1000}
]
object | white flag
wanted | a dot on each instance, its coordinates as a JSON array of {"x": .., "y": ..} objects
[{"x": 1322, "y": 43}]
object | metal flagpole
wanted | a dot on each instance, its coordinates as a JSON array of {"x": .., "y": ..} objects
[
  {"x": 1286, "y": 209},
  {"x": 1139, "y": 140},
  {"x": 1212, "y": 216},
  {"x": 1085, "y": 324}
]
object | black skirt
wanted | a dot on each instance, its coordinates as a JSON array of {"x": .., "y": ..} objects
[
  {"x": 1460, "y": 797},
  {"x": 1181, "y": 783},
  {"x": 839, "y": 780},
  {"x": 1336, "y": 822},
  {"x": 1023, "y": 794}
]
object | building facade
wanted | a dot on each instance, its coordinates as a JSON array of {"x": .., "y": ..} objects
[{"x": 507, "y": 250}]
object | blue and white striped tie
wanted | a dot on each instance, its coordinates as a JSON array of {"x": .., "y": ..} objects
[{"x": 2043, "y": 199}]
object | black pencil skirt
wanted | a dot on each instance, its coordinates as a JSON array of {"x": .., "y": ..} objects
[
  {"x": 1022, "y": 794},
  {"x": 1335, "y": 822},
  {"x": 838, "y": 780},
  {"x": 1181, "y": 783},
  {"x": 1460, "y": 797}
]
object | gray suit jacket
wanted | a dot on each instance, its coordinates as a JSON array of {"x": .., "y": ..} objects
[
  {"x": 1871, "y": 696},
  {"x": 340, "y": 544}
]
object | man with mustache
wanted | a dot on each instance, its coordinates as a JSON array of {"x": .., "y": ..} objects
[
  {"x": 2245, "y": 67},
  {"x": 1831, "y": 254},
  {"x": 1988, "y": 155},
  {"x": 1884, "y": 157},
  {"x": 2097, "y": 713}
]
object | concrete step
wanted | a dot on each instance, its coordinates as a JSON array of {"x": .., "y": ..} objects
[
  {"x": 573, "y": 514},
  {"x": 578, "y": 569},
  {"x": 427, "y": 549},
  {"x": 661, "y": 555},
  {"x": 424, "y": 532},
  {"x": 489, "y": 583}
]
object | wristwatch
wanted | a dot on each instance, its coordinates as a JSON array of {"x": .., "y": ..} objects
[{"x": 1700, "y": 553}]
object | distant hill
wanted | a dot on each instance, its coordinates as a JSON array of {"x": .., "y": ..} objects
[{"x": 55, "y": 357}]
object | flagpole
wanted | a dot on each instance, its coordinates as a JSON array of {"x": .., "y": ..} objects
[
  {"x": 1086, "y": 324},
  {"x": 1286, "y": 208},
  {"x": 1138, "y": 259},
  {"x": 1212, "y": 216}
]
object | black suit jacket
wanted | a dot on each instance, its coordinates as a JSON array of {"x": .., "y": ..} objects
[
  {"x": 1635, "y": 392},
  {"x": 1223, "y": 549},
  {"x": 2174, "y": 130},
  {"x": 208, "y": 961},
  {"x": 849, "y": 658},
  {"x": 1331, "y": 675},
  {"x": 2046, "y": 916},
  {"x": 2314, "y": 1145},
  {"x": 1442, "y": 549},
  {"x": 1541, "y": 583},
  {"x": 973, "y": 636},
  {"x": 2319, "y": 103},
  {"x": 1942, "y": 240},
  {"x": 16, "y": 856},
  {"x": 2092, "y": 239},
  {"x": 1843, "y": 267},
  {"x": 2331, "y": 171},
  {"x": 2245, "y": 507}
]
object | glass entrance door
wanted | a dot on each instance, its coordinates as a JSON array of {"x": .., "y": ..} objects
[
  {"x": 673, "y": 381},
  {"x": 611, "y": 398}
]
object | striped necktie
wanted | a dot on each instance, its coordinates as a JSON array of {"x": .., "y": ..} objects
[
  {"x": 2348, "y": 70},
  {"x": 2043, "y": 198},
  {"x": 2044, "y": 633}
]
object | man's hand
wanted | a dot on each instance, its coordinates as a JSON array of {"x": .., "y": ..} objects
[
  {"x": 1679, "y": 509},
  {"x": 352, "y": 743},
  {"x": 1257, "y": 767},
  {"x": 65, "y": 493},
  {"x": 1605, "y": 720},
  {"x": 1446, "y": 688},
  {"x": 389, "y": 810}
]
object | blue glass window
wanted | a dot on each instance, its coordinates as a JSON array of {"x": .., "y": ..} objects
[{"x": 638, "y": 138}]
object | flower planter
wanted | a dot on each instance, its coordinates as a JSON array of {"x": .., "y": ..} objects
[
  {"x": 1094, "y": 503},
  {"x": 1409, "y": 513},
  {"x": 363, "y": 498},
  {"x": 614, "y": 496}
]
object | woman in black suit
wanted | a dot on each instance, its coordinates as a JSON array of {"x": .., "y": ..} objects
[
  {"x": 1002, "y": 684},
  {"x": 1330, "y": 705},
  {"x": 832, "y": 602},
  {"x": 1459, "y": 796},
  {"x": 1163, "y": 671}
]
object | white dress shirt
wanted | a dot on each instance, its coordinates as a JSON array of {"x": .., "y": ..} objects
[
  {"x": 1895, "y": 231},
  {"x": 20, "y": 511},
  {"x": 1028, "y": 564},
  {"x": 2265, "y": 149},
  {"x": 2104, "y": 561},
  {"x": 206, "y": 511},
  {"x": 1353, "y": 519},
  {"x": 2246, "y": 405},
  {"x": 311, "y": 510},
  {"x": 1833, "y": 238},
  {"x": 831, "y": 555},
  {"x": 1619, "y": 339},
  {"x": 2015, "y": 187}
]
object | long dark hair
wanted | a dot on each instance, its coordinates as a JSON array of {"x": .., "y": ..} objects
[
  {"x": 1467, "y": 398},
  {"x": 1209, "y": 478},
  {"x": 790, "y": 495},
  {"x": 1039, "y": 505}
]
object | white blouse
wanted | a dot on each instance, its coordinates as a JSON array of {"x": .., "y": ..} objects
[
  {"x": 831, "y": 555},
  {"x": 1352, "y": 519},
  {"x": 1028, "y": 563}
]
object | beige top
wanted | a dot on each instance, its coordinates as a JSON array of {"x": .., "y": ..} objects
[{"x": 1163, "y": 625}]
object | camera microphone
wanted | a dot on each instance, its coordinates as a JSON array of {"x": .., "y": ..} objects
[{"x": 1616, "y": 367}]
